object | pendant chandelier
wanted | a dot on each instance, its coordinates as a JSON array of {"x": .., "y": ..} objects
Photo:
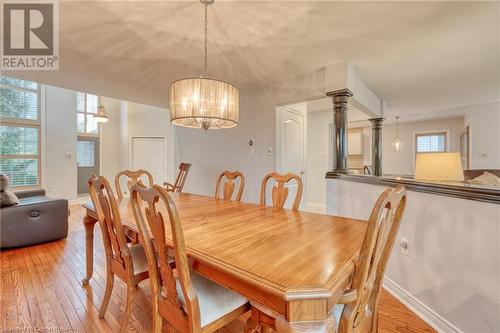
[
  {"x": 101, "y": 116},
  {"x": 397, "y": 143},
  {"x": 204, "y": 102}
]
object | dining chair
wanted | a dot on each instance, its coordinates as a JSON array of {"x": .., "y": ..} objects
[
  {"x": 180, "y": 180},
  {"x": 133, "y": 177},
  {"x": 357, "y": 309},
  {"x": 127, "y": 261},
  {"x": 360, "y": 303},
  {"x": 229, "y": 185},
  {"x": 186, "y": 300},
  {"x": 279, "y": 191}
]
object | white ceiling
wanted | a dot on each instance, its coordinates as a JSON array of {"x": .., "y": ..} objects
[{"x": 417, "y": 56}]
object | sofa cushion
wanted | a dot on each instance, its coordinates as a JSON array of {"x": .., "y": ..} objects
[{"x": 8, "y": 198}]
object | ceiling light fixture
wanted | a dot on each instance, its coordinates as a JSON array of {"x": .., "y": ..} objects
[
  {"x": 204, "y": 102},
  {"x": 101, "y": 116},
  {"x": 397, "y": 143}
]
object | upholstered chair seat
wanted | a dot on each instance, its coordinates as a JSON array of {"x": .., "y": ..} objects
[
  {"x": 139, "y": 259},
  {"x": 215, "y": 300},
  {"x": 337, "y": 313}
]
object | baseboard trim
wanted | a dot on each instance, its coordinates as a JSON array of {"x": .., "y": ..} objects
[{"x": 428, "y": 315}]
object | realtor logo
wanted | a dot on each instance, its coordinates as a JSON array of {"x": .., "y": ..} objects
[{"x": 30, "y": 39}]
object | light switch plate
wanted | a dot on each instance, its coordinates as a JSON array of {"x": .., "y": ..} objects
[{"x": 405, "y": 246}]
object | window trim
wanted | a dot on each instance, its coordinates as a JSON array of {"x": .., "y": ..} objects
[
  {"x": 436, "y": 133},
  {"x": 15, "y": 122},
  {"x": 85, "y": 113}
]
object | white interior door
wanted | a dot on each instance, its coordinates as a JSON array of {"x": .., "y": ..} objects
[
  {"x": 150, "y": 154},
  {"x": 292, "y": 132}
]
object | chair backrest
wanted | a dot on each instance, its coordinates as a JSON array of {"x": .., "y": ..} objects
[
  {"x": 154, "y": 203},
  {"x": 280, "y": 192},
  {"x": 115, "y": 243},
  {"x": 134, "y": 177},
  {"x": 181, "y": 177},
  {"x": 383, "y": 225},
  {"x": 229, "y": 185}
]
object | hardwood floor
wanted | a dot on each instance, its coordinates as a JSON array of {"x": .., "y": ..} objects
[{"x": 40, "y": 291}]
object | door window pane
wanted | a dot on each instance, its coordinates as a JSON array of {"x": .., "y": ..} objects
[{"x": 85, "y": 152}]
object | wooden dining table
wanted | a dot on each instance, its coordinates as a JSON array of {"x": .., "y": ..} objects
[{"x": 293, "y": 266}]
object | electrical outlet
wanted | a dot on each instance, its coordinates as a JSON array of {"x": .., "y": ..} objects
[{"x": 405, "y": 246}]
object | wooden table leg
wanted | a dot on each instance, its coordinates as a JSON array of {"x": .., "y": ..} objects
[{"x": 89, "y": 223}]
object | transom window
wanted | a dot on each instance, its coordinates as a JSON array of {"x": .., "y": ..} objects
[
  {"x": 20, "y": 131},
  {"x": 430, "y": 142},
  {"x": 86, "y": 108}
]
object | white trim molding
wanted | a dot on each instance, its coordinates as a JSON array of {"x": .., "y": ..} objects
[{"x": 428, "y": 315}]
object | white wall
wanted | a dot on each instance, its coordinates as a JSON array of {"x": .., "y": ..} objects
[
  {"x": 111, "y": 149},
  {"x": 484, "y": 122},
  {"x": 59, "y": 170},
  {"x": 403, "y": 162},
  {"x": 126, "y": 120},
  {"x": 317, "y": 155},
  {"x": 454, "y": 263},
  {"x": 214, "y": 151}
]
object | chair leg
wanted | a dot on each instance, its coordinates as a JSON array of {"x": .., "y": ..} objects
[
  {"x": 128, "y": 307},
  {"x": 110, "y": 279},
  {"x": 157, "y": 319}
]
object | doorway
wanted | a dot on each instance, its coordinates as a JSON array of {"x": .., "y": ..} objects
[
  {"x": 149, "y": 153},
  {"x": 87, "y": 161},
  {"x": 290, "y": 147}
]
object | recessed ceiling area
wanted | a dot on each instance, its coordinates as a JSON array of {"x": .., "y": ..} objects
[{"x": 419, "y": 57}]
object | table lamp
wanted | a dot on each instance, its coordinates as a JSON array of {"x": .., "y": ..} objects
[{"x": 439, "y": 167}]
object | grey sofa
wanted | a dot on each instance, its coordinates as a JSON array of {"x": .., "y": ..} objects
[{"x": 36, "y": 219}]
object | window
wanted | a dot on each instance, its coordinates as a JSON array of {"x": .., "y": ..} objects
[
  {"x": 86, "y": 107},
  {"x": 430, "y": 142},
  {"x": 85, "y": 152},
  {"x": 20, "y": 131}
]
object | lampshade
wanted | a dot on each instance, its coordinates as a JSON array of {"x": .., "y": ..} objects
[
  {"x": 439, "y": 166},
  {"x": 204, "y": 103}
]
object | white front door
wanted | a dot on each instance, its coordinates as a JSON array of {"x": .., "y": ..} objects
[
  {"x": 150, "y": 154},
  {"x": 292, "y": 148}
]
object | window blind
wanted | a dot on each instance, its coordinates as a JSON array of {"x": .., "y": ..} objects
[
  {"x": 20, "y": 131},
  {"x": 431, "y": 143}
]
